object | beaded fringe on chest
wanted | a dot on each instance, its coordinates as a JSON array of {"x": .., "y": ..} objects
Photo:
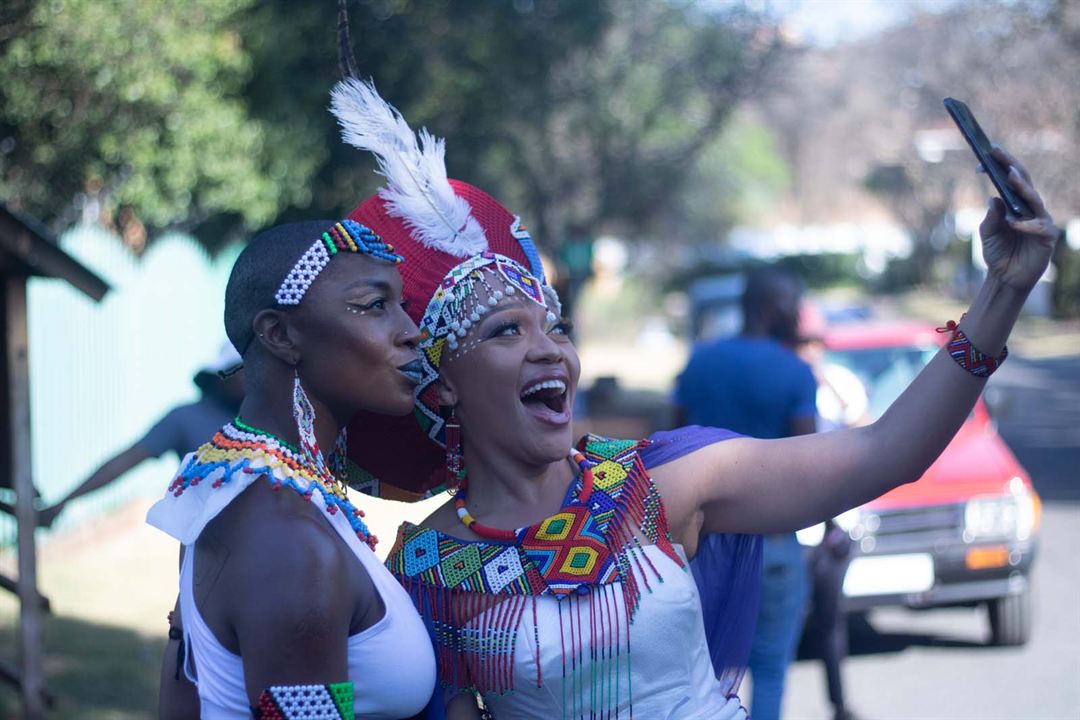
[{"x": 475, "y": 595}]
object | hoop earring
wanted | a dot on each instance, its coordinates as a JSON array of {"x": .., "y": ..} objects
[{"x": 455, "y": 462}]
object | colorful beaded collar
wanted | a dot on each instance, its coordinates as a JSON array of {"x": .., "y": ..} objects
[{"x": 239, "y": 447}]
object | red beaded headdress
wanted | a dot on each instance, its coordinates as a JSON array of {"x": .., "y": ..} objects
[{"x": 437, "y": 224}]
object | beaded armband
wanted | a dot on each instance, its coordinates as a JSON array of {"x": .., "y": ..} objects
[
  {"x": 333, "y": 701},
  {"x": 968, "y": 356}
]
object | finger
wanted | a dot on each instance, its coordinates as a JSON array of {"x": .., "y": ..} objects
[
  {"x": 1023, "y": 186},
  {"x": 1038, "y": 227},
  {"x": 994, "y": 221},
  {"x": 1006, "y": 158}
]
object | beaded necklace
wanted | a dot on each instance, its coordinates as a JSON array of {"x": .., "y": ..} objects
[
  {"x": 478, "y": 594},
  {"x": 490, "y": 533},
  {"x": 239, "y": 447}
]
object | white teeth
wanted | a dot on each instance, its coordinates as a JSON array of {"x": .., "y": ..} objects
[{"x": 557, "y": 384}]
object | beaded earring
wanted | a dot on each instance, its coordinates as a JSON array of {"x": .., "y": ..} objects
[
  {"x": 304, "y": 414},
  {"x": 455, "y": 464}
]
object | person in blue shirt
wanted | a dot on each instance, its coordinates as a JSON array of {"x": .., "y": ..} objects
[
  {"x": 756, "y": 385},
  {"x": 180, "y": 431}
]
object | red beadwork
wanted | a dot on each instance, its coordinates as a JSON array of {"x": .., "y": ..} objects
[
  {"x": 969, "y": 357},
  {"x": 490, "y": 533}
]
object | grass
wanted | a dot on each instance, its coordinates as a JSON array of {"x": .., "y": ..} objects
[{"x": 111, "y": 583}]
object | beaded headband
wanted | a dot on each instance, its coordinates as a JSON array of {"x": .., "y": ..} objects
[
  {"x": 457, "y": 306},
  {"x": 345, "y": 236}
]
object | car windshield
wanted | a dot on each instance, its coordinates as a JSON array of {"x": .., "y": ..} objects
[{"x": 884, "y": 371}]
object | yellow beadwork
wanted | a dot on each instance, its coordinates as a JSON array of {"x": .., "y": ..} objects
[{"x": 348, "y": 238}]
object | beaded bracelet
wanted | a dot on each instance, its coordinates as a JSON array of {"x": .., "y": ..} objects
[{"x": 968, "y": 356}]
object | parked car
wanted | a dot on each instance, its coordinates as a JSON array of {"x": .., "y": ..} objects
[{"x": 963, "y": 534}]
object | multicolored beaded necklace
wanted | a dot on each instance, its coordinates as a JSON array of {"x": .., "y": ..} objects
[
  {"x": 490, "y": 533},
  {"x": 239, "y": 447},
  {"x": 479, "y": 595}
]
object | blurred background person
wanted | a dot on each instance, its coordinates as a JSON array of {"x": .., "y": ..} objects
[
  {"x": 842, "y": 401},
  {"x": 756, "y": 385},
  {"x": 180, "y": 431}
]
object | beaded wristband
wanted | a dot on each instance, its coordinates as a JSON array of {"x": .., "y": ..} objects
[
  {"x": 968, "y": 356},
  {"x": 333, "y": 701}
]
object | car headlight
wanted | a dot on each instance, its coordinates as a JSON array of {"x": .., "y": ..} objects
[{"x": 1014, "y": 514}]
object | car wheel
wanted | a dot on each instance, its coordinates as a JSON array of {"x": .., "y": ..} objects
[{"x": 1010, "y": 619}]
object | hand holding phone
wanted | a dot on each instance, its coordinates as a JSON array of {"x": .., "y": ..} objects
[{"x": 983, "y": 149}]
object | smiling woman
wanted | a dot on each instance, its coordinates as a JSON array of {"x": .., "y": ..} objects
[
  {"x": 549, "y": 554},
  {"x": 555, "y": 563}
]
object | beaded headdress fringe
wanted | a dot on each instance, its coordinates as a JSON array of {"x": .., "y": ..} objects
[{"x": 477, "y": 596}]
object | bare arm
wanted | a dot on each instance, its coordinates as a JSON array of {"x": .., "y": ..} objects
[
  {"x": 762, "y": 486},
  {"x": 178, "y": 699},
  {"x": 295, "y": 632},
  {"x": 107, "y": 473}
]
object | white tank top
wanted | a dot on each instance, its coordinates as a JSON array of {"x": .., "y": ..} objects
[
  {"x": 391, "y": 664},
  {"x": 671, "y": 675}
]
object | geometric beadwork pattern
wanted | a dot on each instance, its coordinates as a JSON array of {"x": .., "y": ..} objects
[
  {"x": 442, "y": 322},
  {"x": 971, "y": 358},
  {"x": 461, "y": 564},
  {"x": 307, "y": 702},
  {"x": 574, "y": 549},
  {"x": 503, "y": 569},
  {"x": 475, "y": 594},
  {"x": 421, "y": 553}
]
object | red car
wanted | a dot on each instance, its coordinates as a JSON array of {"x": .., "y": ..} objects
[{"x": 966, "y": 532}]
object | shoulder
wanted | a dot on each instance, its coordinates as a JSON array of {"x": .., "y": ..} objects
[{"x": 283, "y": 549}]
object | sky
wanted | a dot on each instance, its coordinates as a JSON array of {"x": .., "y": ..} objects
[{"x": 827, "y": 22}]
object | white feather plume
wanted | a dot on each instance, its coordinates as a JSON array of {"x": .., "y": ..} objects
[{"x": 417, "y": 189}]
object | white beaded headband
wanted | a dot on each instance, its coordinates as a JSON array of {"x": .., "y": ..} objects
[{"x": 345, "y": 236}]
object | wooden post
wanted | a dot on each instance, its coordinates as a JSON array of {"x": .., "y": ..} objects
[{"x": 30, "y": 666}]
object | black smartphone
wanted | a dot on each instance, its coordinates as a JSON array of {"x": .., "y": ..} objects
[{"x": 980, "y": 144}]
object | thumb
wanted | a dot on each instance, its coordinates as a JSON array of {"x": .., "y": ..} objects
[{"x": 994, "y": 222}]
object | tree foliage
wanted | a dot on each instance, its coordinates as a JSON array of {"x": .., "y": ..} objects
[
  {"x": 139, "y": 105},
  {"x": 210, "y": 114}
]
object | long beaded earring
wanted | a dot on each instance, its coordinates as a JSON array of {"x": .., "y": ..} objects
[
  {"x": 304, "y": 414},
  {"x": 455, "y": 464}
]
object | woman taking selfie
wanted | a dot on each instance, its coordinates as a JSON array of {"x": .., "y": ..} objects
[{"x": 554, "y": 582}]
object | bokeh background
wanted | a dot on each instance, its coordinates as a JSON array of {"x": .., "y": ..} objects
[{"x": 648, "y": 145}]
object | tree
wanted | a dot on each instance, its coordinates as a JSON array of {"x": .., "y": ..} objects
[
  {"x": 137, "y": 106},
  {"x": 210, "y": 114},
  {"x": 852, "y": 118}
]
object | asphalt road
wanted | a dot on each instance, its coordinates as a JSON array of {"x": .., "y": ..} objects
[{"x": 937, "y": 664}]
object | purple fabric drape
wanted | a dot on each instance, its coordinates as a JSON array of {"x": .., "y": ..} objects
[{"x": 727, "y": 566}]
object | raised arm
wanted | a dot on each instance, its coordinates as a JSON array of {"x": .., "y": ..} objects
[{"x": 747, "y": 485}]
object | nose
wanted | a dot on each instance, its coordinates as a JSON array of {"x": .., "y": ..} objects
[
  {"x": 408, "y": 335},
  {"x": 543, "y": 349}
]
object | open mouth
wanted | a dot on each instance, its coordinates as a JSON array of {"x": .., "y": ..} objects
[
  {"x": 413, "y": 370},
  {"x": 547, "y": 399}
]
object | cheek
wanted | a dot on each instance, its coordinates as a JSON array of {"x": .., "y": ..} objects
[{"x": 573, "y": 362}]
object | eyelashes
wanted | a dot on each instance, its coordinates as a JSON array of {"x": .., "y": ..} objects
[
  {"x": 503, "y": 330},
  {"x": 563, "y": 327},
  {"x": 358, "y": 308}
]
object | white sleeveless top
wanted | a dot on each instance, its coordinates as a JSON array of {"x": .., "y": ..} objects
[
  {"x": 671, "y": 675},
  {"x": 391, "y": 663}
]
